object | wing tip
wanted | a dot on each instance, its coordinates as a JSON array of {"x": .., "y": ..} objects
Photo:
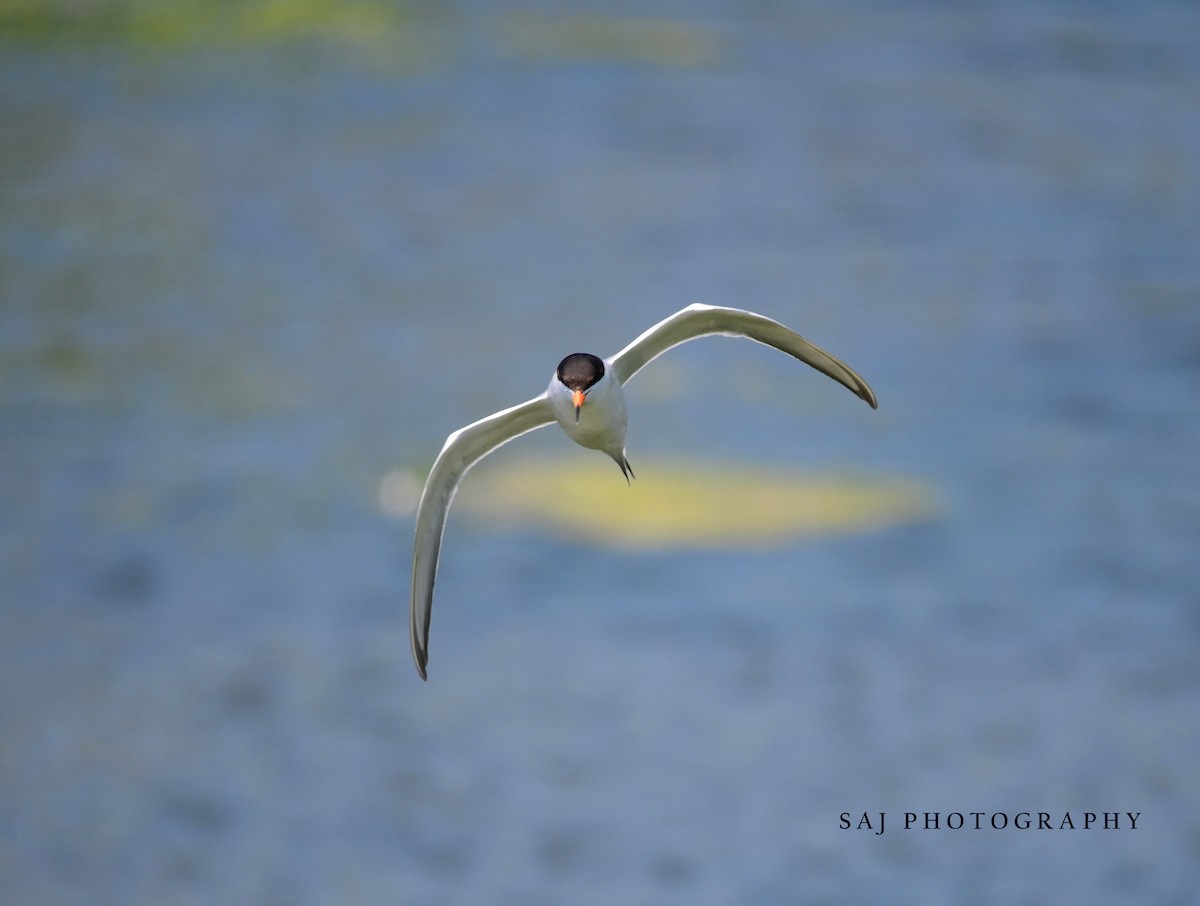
[{"x": 420, "y": 653}]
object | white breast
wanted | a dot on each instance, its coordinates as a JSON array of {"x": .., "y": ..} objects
[{"x": 602, "y": 419}]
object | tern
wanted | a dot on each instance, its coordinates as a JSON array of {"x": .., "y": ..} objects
[{"x": 586, "y": 397}]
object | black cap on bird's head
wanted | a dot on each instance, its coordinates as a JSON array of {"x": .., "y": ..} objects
[{"x": 578, "y": 372}]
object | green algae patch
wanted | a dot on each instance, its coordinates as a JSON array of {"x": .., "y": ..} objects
[
  {"x": 406, "y": 28},
  {"x": 202, "y": 22},
  {"x": 259, "y": 22},
  {"x": 690, "y": 504}
]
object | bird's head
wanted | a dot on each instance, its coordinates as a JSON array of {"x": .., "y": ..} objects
[{"x": 579, "y": 372}]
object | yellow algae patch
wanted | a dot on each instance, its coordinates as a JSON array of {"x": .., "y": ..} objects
[{"x": 689, "y": 504}]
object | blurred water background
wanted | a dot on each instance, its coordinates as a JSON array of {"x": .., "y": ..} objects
[{"x": 240, "y": 244}]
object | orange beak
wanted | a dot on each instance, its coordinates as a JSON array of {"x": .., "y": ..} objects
[{"x": 577, "y": 397}]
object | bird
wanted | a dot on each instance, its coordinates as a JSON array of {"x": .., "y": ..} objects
[{"x": 586, "y": 397}]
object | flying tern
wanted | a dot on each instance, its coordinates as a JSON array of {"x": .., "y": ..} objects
[{"x": 586, "y": 397}]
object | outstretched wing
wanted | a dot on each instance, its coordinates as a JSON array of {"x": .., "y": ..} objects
[
  {"x": 462, "y": 449},
  {"x": 706, "y": 320}
]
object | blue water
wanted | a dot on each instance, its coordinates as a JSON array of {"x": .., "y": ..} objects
[{"x": 231, "y": 279}]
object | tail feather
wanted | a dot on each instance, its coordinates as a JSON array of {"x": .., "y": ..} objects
[{"x": 626, "y": 468}]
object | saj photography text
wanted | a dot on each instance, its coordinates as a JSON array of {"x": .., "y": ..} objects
[{"x": 879, "y": 822}]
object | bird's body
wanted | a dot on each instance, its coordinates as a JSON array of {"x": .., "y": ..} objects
[
  {"x": 586, "y": 396},
  {"x": 599, "y": 425}
]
